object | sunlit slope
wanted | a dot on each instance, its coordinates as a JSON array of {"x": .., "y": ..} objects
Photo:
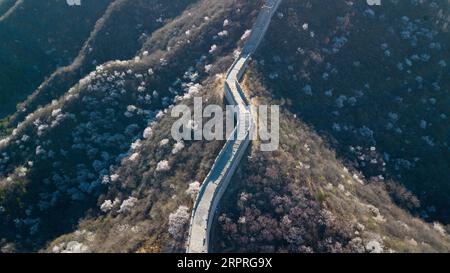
[{"x": 96, "y": 144}]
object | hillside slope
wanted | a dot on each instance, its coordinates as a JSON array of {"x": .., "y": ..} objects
[
  {"x": 37, "y": 38},
  {"x": 90, "y": 165},
  {"x": 375, "y": 82},
  {"x": 62, "y": 158},
  {"x": 302, "y": 198}
]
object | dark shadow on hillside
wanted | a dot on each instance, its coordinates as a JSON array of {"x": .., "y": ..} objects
[{"x": 374, "y": 81}]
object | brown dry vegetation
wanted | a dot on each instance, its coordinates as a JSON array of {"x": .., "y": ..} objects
[
  {"x": 301, "y": 198},
  {"x": 373, "y": 81},
  {"x": 305, "y": 197}
]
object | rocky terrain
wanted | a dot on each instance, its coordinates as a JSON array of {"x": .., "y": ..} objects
[{"x": 87, "y": 162}]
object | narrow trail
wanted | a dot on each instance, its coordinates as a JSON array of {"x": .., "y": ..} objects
[{"x": 226, "y": 163}]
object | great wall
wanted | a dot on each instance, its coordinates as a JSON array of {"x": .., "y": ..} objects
[{"x": 226, "y": 163}]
